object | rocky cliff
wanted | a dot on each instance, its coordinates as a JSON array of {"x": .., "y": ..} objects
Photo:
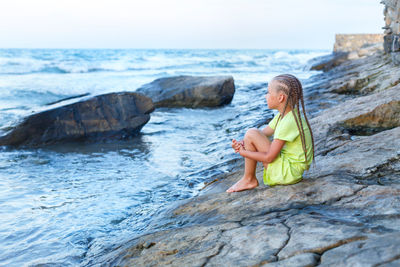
[{"x": 392, "y": 29}]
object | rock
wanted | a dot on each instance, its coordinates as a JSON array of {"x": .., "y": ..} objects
[
  {"x": 362, "y": 156},
  {"x": 240, "y": 241},
  {"x": 302, "y": 260},
  {"x": 188, "y": 246},
  {"x": 317, "y": 234},
  {"x": 359, "y": 117},
  {"x": 355, "y": 42},
  {"x": 349, "y": 47},
  {"x": 392, "y": 29},
  {"x": 358, "y": 77},
  {"x": 280, "y": 226},
  {"x": 190, "y": 91},
  {"x": 237, "y": 207},
  {"x": 369, "y": 49},
  {"x": 378, "y": 250},
  {"x": 115, "y": 115},
  {"x": 386, "y": 116},
  {"x": 328, "y": 62}
]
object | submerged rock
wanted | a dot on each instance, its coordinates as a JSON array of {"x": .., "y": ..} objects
[
  {"x": 115, "y": 115},
  {"x": 190, "y": 91}
]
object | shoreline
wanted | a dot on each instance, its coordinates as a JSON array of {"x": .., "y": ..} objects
[{"x": 347, "y": 202}]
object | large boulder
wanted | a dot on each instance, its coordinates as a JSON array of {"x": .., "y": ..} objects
[
  {"x": 190, "y": 91},
  {"x": 116, "y": 115}
]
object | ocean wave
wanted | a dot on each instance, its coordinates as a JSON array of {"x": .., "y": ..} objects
[{"x": 65, "y": 62}]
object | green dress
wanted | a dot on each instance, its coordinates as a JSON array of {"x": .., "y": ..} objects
[{"x": 290, "y": 164}]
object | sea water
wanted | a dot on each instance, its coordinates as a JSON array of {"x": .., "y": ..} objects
[{"x": 59, "y": 202}]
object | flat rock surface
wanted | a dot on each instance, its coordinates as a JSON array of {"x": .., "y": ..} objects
[{"x": 345, "y": 212}]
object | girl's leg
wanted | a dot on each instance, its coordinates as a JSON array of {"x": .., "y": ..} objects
[{"x": 254, "y": 140}]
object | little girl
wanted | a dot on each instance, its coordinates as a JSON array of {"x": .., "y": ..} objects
[{"x": 292, "y": 150}]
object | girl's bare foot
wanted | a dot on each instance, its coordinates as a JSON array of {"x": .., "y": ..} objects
[{"x": 243, "y": 184}]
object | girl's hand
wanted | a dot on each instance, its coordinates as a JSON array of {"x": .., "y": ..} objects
[
  {"x": 241, "y": 149},
  {"x": 237, "y": 145}
]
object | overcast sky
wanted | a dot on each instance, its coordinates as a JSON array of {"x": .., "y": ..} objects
[{"x": 184, "y": 23}]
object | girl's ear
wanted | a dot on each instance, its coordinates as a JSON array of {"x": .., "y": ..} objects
[{"x": 281, "y": 98}]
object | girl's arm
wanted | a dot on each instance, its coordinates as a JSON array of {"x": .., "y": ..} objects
[
  {"x": 265, "y": 157},
  {"x": 268, "y": 131}
]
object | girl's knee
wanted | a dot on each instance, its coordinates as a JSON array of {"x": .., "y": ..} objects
[{"x": 251, "y": 132}]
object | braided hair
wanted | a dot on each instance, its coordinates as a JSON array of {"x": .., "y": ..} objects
[{"x": 291, "y": 86}]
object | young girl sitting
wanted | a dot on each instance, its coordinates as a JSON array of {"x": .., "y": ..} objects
[{"x": 292, "y": 150}]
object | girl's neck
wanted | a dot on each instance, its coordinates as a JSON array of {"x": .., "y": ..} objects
[{"x": 288, "y": 109}]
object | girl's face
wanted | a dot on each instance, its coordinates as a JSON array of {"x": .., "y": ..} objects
[{"x": 272, "y": 96}]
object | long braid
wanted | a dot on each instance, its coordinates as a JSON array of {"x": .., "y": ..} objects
[
  {"x": 297, "y": 117},
  {"x": 304, "y": 113},
  {"x": 308, "y": 124},
  {"x": 291, "y": 86}
]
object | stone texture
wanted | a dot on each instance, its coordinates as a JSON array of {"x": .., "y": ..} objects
[
  {"x": 236, "y": 207},
  {"x": 392, "y": 29},
  {"x": 240, "y": 241},
  {"x": 189, "y": 246},
  {"x": 362, "y": 156},
  {"x": 115, "y": 115},
  {"x": 301, "y": 260},
  {"x": 354, "y": 42},
  {"x": 317, "y": 234},
  {"x": 328, "y": 62},
  {"x": 377, "y": 250},
  {"x": 190, "y": 91},
  {"x": 361, "y": 76},
  {"x": 386, "y": 115}
]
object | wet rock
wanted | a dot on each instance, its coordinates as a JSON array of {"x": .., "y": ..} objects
[
  {"x": 115, "y": 115},
  {"x": 190, "y": 91}
]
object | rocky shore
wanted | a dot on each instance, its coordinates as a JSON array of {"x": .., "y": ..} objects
[{"x": 345, "y": 212}]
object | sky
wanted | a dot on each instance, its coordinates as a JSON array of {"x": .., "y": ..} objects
[{"x": 184, "y": 24}]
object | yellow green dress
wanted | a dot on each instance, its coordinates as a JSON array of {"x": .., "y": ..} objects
[{"x": 290, "y": 164}]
